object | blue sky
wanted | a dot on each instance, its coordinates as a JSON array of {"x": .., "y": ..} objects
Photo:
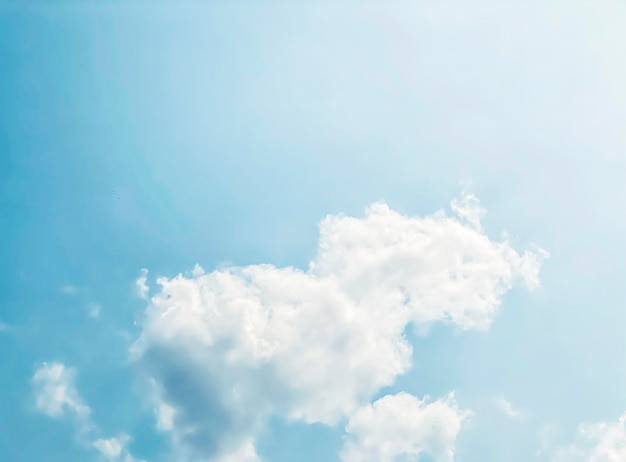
[{"x": 162, "y": 135}]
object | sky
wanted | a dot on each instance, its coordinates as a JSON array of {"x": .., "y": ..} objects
[{"x": 312, "y": 231}]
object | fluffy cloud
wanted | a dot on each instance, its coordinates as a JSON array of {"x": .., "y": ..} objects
[
  {"x": 55, "y": 392},
  {"x": 401, "y": 425},
  {"x": 599, "y": 442},
  {"x": 226, "y": 349}
]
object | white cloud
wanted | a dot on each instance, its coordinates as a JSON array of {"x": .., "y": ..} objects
[
  {"x": 112, "y": 447},
  {"x": 402, "y": 425},
  {"x": 56, "y": 396},
  {"x": 55, "y": 392},
  {"x": 115, "y": 449},
  {"x": 598, "y": 442},
  {"x": 228, "y": 348},
  {"x": 142, "y": 288},
  {"x": 4, "y": 327}
]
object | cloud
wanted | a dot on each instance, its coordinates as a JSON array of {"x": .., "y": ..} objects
[
  {"x": 598, "y": 442},
  {"x": 55, "y": 392},
  {"x": 225, "y": 350},
  {"x": 112, "y": 447},
  {"x": 68, "y": 289},
  {"x": 142, "y": 288},
  {"x": 401, "y": 425},
  {"x": 94, "y": 310},
  {"x": 115, "y": 449},
  {"x": 505, "y": 406},
  {"x": 57, "y": 397}
]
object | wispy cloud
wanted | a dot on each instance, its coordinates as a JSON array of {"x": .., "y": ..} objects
[
  {"x": 57, "y": 397},
  {"x": 506, "y": 407},
  {"x": 94, "y": 310},
  {"x": 68, "y": 289},
  {"x": 141, "y": 284},
  {"x": 55, "y": 392},
  {"x": 596, "y": 442},
  {"x": 115, "y": 449}
]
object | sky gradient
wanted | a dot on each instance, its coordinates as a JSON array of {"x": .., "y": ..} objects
[{"x": 406, "y": 217}]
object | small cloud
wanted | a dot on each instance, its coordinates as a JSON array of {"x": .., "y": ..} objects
[
  {"x": 4, "y": 327},
  {"x": 111, "y": 447},
  {"x": 57, "y": 397},
  {"x": 94, "y": 310},
  {"x": 115, "y": 449},
  {"x": 403, "y": 426},
  {"x": 165, "y": 417},
  {"x": 505, "y": 406},
  {"x": 68, "y": 289},
  {"x": 55, "y": 392},
  {"x": 140, "y": 283}
]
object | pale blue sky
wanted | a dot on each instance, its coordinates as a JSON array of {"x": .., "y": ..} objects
[{"x": 160, "y": 135}]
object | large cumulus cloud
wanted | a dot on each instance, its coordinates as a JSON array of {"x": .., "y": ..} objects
[{"x": 226, "y": 349}]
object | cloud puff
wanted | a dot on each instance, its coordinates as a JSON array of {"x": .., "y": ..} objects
[
  {"x": 401, "y": 425},
  {"x": 599, "y": 442},
  {"x": 115, "y": 449},
  {"x": 142, "y": 288},
  {"x": 226, "y": 349},
  {"x": 112, "y": 447},
  {"x": 55, "y": 392}
]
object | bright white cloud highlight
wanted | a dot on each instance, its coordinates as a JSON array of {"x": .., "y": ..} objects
[
  {"x": 599, "y": 442},
  {"x": 55, "y": 392},
  {"x": 141, "y": 284},
  {"x": 228, "y": 348},
  {"x": 401, "y": 425}
]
